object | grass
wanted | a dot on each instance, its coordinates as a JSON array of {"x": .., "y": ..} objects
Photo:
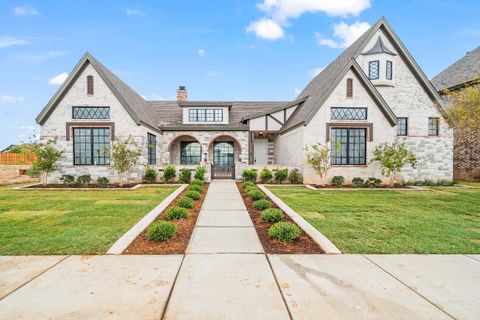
[
  {"x": 469, "y": 183},
  {"x": 441, "y": 220},
  {"x": 71, "y": 222}
]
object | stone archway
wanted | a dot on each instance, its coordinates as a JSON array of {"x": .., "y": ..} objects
[
  {"x": 174, "y": 149},
  {"x": 223, "y": 152}
]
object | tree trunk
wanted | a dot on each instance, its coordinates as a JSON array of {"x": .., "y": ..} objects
[{"x": 45, "y": 178}]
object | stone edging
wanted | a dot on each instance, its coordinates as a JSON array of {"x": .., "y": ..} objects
[
  {"x": 137, "y": 186},
  {"x": 121, "y": 244},
  {"x": 316, "y": 235}
]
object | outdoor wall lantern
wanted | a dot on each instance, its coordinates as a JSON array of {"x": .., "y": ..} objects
[{"x": 205, "y": 157}]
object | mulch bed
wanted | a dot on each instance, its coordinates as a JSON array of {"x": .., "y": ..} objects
[
  {"x": 304, "y": 244},
  {"x": 178, "y": 244}
]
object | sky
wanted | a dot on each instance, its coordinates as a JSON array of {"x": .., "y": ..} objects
[{"x": 220, "y": 50}]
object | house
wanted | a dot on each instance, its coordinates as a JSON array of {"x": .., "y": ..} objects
[
  {"x": 466, "y": 152},
  {"x": 373, "y": 93}
]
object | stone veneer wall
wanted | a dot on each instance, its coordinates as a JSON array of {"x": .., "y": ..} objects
[{"x": 466, "y": 155}]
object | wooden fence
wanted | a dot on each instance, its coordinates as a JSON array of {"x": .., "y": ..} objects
[{"x": 16, "y": 158}]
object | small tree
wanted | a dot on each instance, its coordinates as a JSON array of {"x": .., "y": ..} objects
[
  {"x": 125, "y": 155},
  {"x": 318, "y": 157},
  {"x": 392, "y": 158},
  {"x": 46, "y": 156},
  {"x": 464, "y": 107}
]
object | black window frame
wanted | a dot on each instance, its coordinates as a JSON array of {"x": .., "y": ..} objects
[
  {"x": 389, "y": 70},
  {"x": 89, "y": 142},
  {"x": 350, "y": 137},
  {"x": 186, "y": 156},
  {"x": 90, "y": 110},
  {"x": 205, "y": 115},
  {"x": 151, "y": 149},
  {"x": 402, "y": 129},
  {"x": 433, "y": 131},
  {"x": 220, "y": 156},
  {"x": 370, "y": 63},
  {"x": 335, "y": 113}
]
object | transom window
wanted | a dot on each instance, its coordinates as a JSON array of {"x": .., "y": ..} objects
[
  {"x": 190, "y": 152},
  {"x": 348, "y": 113},
  {"x": 402, "y": 127},
  {"x": 348, "y": 146},
  {"x": 152, "y": 148},
  {"x": 373, "y": 70},
  {"x": 205, "y": 115},
  {"x": 433, "y": 126},
  {"x": 91, "y": 112},
  {"x": 389, "y": 70},
  {"x": 91, "y": 146}
]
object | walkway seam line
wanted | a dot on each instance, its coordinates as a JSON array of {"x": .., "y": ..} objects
[
  {"x": 466, "y": 255},
  {"x": 278, "y": 286},
  {"x": 171, "y": 290},
  {"x": 38, "y": 275},
  {"x": 416, "y": 292}
]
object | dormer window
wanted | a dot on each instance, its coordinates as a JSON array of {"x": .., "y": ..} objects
[
  {"x": 205, "y": 115},
  {"x": 90, "y": 85},
  {"x": 389, "y": 70},
  {"x": 373, "y": 70}
]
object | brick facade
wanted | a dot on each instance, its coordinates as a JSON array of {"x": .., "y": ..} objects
[{"x": 466, "y": 155}]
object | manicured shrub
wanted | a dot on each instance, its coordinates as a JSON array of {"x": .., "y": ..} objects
[
  {"x": 357, "y": 182},
  {"x": 295, "y": 177},
  {"x": 169, "y": 173},
  {"x": 68, "y": 179},
  {"x": 272, "y": 215},
  {"x": 445, "y": 182},
  {"x": 161, "y": 231},
  {"x": 176, "y": 213},
  {"x": 262, "y": 204},
  {"x": 84, "y": 180},
  {"x": 373, "y": 182},
  {"x": 195, "y": 187},
  {"x": 256, "y": 194},
  {"x": 249, "y": 175},
  {"x": 185, "y": 175},
  {"x": 280, "y": 175},
  {"x": 186, "y": 202},
  {"x": 285, "y": 231},
  {"x": 266, "y": 175},
  {"x": 197, "y": 182},
  {"x": 248, "y": 184},
  {"x": 150, "y": 175},
  {"x": 103, "y": 182},
  {"x": 337, "y": 181},
  {"x": 200, "y": 172},
  {"x": 195, "y": 195}
]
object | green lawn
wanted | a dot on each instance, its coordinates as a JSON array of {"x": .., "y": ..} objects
[
  {"x": 442, "y": 220},
  {"x": 71, "y": 222}
]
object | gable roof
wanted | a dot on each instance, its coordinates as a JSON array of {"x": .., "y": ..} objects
[
  {"x": 379, "y": 47},
  {"x": 327, "y": 80},
  {"x": 462, "y": 72},
  {"x": 133, "y": 103}
]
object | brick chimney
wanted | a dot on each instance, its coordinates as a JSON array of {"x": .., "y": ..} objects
[{"x": 182, "y": 93}]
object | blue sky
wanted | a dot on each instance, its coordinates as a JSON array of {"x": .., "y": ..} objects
[{"x": 230, "y": 50}]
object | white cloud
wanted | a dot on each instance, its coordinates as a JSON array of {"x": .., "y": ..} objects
[
  {"x": 10, "y": 41},
  {"x": 134, "y": 12},
  {"x": 6, "y": 99},
  {"x": 266, "y": 29},
  {"x": 201, "y": 52},
  {"x": 279, "y": 12},
  {"x": 315, "y": 71},
  {"x": 25, "y": 11},
  {"x": 58, "y": 79},
  {"x": 343, "y": 35}
]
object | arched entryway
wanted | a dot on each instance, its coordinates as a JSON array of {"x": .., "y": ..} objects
[
  {"x": 185, "y": 150},
  {"x": 223, "y": 151}
]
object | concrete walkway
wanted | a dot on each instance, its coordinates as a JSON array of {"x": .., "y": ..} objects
[{"x": 226, "y": 275}]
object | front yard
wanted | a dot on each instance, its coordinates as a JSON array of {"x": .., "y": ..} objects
[
  {"x": 441, "y": 220},
  {"x": 71, "y": 222}
]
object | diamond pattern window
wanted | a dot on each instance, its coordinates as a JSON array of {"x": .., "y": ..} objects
[
  {"x": 402, "y": 127},
  {"x": 433, "y": 126},
  {"x": 389, "y": 70},
  {"x": 373, "y": 70},
  {"x": 91, "y": 146},
  {"x": 348, "y": 113},
  {"x": 91, "y": 113},
  {"x": 348, "y": 146}
]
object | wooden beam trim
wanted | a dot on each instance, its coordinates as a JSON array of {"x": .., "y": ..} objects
[{"x": 368, "y": 126}]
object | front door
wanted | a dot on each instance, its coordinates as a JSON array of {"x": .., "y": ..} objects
[
  {"x": 223, "y": 160},
  {"x": 260, "y": 151}
]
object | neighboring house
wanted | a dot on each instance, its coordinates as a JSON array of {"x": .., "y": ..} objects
[
  {"x": 466, "y": 154},
  {"x": 374, "y": 92}
]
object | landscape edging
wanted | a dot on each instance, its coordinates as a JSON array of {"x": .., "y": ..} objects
[
  {"x": 121, "y": 244},
  {"x": 316, "y": 235}
]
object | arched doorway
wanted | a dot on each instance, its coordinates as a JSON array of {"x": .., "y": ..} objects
[
  {"x": 223, "y": 152},
  {"x": 185, "y": 150}
]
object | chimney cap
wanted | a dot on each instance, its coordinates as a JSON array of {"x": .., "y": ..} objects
[{"x": 182, "y": 87}]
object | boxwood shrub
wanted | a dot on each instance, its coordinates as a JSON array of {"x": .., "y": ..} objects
[
  {"x": 295, "y": 176},
  {"x": 195, "y": 187},
  {"x": 195, "y": 195},
  {"x": 272, "y": 215},
  {"x": 249, "y": 175},
  {"x": 161, "y": 231},
  {"x": 280, "y": 175},
  {"x": 372, "y": 182},
  {"x": 256, "y": 194},
  {"x": 176, "y": 213},
  {"x": 337, "y": 181},
  {"x": 262, "y": 204},
  {"x": 197, "y": 182},
  {"x": 357, "y": 182},
  {"x": 285, "y": 231},
  {"x": 248, "y": 184},
  {"x": 186, "y": 202},
  {"x": 266, "y": 175},
  {"x": 185, "y": 175},
  {"x": 103, "y": 182}
]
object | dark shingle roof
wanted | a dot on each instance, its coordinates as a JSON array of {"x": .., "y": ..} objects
[
  {"x": 465, "y": 70},
  {"x": 379, "y": 47}
]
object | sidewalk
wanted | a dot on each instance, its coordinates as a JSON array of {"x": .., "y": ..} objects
[{"x": 226, "y": 275}]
